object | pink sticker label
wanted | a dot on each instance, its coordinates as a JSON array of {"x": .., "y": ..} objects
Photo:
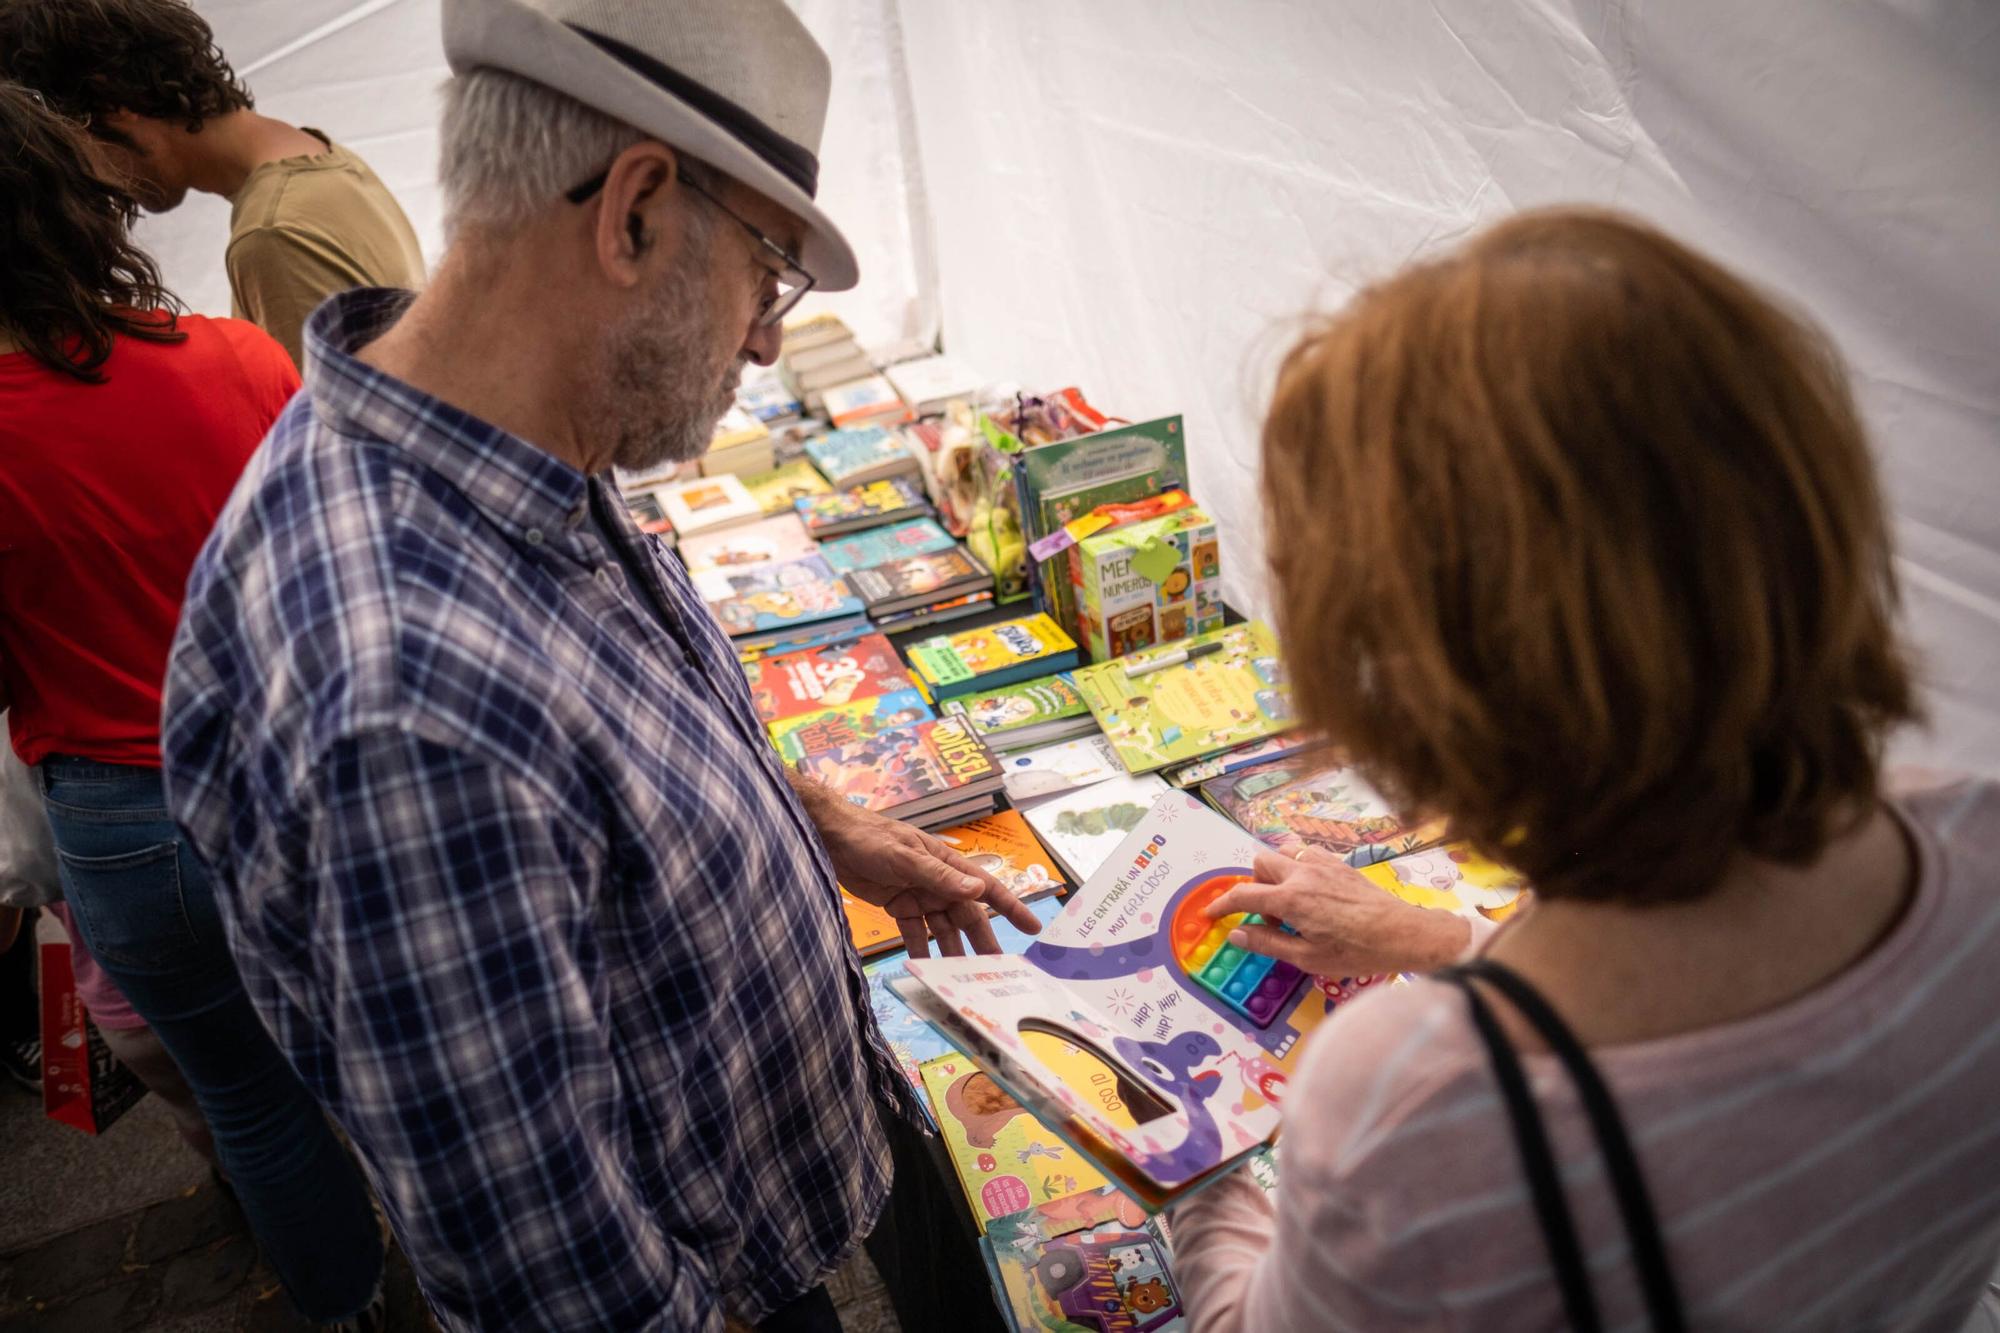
[{"x": 1003, "y": 1195}]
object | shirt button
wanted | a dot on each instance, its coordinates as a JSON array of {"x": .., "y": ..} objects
[{"x": 534, "y": 536}]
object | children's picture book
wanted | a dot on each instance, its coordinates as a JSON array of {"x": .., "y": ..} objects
[
  {"x": 912, "y": 581},
  {"x": 1086, "y": 1263},
  {"x": 1006, "y": 1159},
  {"x": 911, "y": 1040},
  {"x": 1452, "y": 878},
  {"x": 866, "y": 717},
  {"x": 903, "y": 772},
  {"x": 768, "y": 400},
  {"x": 1148, "y": 582},
  {"x": 1051, "y": 770},
  {"x": 863, "y": 454},
  {"x": 878, "y": 502},
  {"x": 778, "y": 490},
  {"x": 1083, "y": 827},
  {"x": 779, "y": 596},
  {"x": 792, "y": 685},
  {"x": 1004, "y": 847},
  {"x": 1184, "y": 700},
  {"x": 1026, "y": 713},
  {"x": 981, "y": 659},
  {"x": 1132, "y": 1026},
  {"x": 1292, "y": 804},
  {"x": 760, "y": 543},
  {"x": 878, "y": 546},
  {"x": 872, "y": 929},
  {"x": 706, "y": 503},
  {"x": 1194, "y": 772},
  {"x": 869, "y": 400},
  {"x": 937, "y": 613}
]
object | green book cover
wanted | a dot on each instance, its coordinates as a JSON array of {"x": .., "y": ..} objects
[
  {"x": 1221, "y": 696},
  {"x": 1010, "y": 708}
]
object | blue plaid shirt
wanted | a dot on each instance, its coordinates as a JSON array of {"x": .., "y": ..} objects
[{"x": 513, "y": 875}]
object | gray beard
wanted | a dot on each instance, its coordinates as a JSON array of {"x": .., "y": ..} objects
[{"x": 664, "y": 392}]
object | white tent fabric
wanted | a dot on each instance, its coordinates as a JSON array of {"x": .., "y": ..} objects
[{"x": 1140, "y": 198}]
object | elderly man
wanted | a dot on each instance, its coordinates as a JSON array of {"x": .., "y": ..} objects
[{"x": 510, "y": 868}]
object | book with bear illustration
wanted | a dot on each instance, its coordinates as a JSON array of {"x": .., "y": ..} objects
[
  {"x": 1131, "y": 1026},
  {"x": 1086, "y": 1263},
  {"x": 1187, "y": 699},
  {"x": 1306, "y": 801}
]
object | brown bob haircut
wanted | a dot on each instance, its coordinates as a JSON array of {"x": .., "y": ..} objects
[{"x": 1577, "y": 542}]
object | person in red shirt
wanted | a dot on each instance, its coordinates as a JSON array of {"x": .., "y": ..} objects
[{"x": 123, "y": 429}]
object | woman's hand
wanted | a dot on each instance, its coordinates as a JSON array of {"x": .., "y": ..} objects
[{"x": 1347, "y": 927}]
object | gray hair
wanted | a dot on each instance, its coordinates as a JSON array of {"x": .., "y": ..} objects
[{"x": 511, "y": 147}]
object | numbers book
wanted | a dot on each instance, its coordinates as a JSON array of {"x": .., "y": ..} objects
[
  {"x": 981, "y": 659},
  {"x": 1082, "y": 827},
  {"x": 1292, "y": 804},
  {"x": 1452, "y": 878},
  {"x": 1087, "y": 1263},
  {"x": 869, "y": 506},
  {"x": 1051, "y": 770},
  {"x": 913, "y": 581},
  {"x": 864, "y": 454},
  {"x": 903, "y": 772},
  {"x": 1230, "y": 689},
  {"x": 779, "y": 489},
  {"x": 911, "y": 1040},
  {"x": 792, "y": 685},
  {"x": 780, "y": 596},
  {"x": 878, "y": 546},
  {"x": 1149, "y": 582},
  {"x": 1026, "y": 713},
  {"x": 1005, "y": 1159},
  {"x": 706, "y": 503},
  {"x": 760, "y": 543},
  {"x": 866, "y": 717},
  {"x": 1131, "y": 1026}
]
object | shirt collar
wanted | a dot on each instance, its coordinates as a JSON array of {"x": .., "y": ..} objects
[{"x": 521, "y": 487}]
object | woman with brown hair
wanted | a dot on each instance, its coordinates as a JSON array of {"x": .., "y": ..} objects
[
  {"x": 1582, "y": 548},
  {"x": 123, "y": 429}
]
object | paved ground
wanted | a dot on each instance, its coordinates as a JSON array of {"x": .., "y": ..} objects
[{"x": 125, "y": 1232}]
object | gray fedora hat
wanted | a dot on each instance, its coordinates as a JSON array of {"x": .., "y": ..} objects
[{"x": 739, "y": 84}]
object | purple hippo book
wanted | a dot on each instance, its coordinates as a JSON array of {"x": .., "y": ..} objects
[{"x": 1131, "y": 1027}]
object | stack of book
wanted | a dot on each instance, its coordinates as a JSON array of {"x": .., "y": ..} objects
[
  {"x": 867, "y": 506},
  {"x": 818, "y": 353},
  {"x": 868, "y": 401},
  {"x": 858, "y": 455},
  {"x": 977, "y": 660},
  {"x": 1001, "y": 844},
  {"x": 1025, "y": 714},
  {"x": 764, "y": 542},
  {"x": 930, "y": 383},
  {"x": 742, "y": 444},
  {"x": 913, "y": 574},
  {"x": 779, "y": 490},
  {"x": 705, "y": 504},
  {"x": 781, "y": 603},
  {"x": 767, "y": 399}
]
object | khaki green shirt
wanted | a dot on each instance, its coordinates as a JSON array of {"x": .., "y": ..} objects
[{"x": 303, "y": 228}]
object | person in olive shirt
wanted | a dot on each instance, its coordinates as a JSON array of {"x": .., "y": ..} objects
[{"x": 145, "y": 78}]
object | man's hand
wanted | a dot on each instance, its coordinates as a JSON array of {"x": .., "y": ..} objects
[
  {"x": 932, "y": 892},
  {"x": 1347, "y": 926}
]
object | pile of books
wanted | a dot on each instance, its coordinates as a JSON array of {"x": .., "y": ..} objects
[{"x": 823, "y": 367}]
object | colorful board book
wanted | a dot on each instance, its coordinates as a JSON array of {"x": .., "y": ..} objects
[
  {"x": 779, "y": 596},
  {"x": 1087, "y": 1263},
  {"x": 1026, "y": 713},
  {"x": 1083, "y": 827},
  {"x": 1292, "y": 804},
  {"x": 1006, "y": 1160},
  {"x": 1146, "y": 583},
  {"x": 1231, "y": 689},
  {"x": 993, "y": 655},
  {"x": 867, "y": 506},
  {"x": 864, "y": 454},
  {"x": 1115, "y": 1031},
  {"x": 902, "y": 772},
  {"x": 791, "y": 685},
  {"x": 865, "y": 717},
  {"x": 878, "y": 546}
]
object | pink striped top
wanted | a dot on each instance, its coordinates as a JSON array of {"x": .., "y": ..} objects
[{"x": 1831, "y": 1164}]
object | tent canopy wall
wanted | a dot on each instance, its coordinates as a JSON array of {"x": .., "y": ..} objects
[{"x": 1144, "y": 198}]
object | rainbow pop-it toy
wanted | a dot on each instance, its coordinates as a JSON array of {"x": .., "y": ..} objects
[{"x": 1253, "y": 985}]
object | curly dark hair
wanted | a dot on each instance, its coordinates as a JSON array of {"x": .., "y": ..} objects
[
  {"x": 73, "y": 281},
  {"x": 153, "y": 58}
]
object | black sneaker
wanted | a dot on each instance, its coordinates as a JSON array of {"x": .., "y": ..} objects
[{"x": 22, "y": 1060}]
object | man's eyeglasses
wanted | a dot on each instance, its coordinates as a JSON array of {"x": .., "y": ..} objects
[{"x": 793, "y": 281}]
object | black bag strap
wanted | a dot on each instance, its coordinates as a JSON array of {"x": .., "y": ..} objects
[{"x": 1628, "y": 1181}]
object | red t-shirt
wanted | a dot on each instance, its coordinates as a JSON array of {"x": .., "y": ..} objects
[{"x": 107, "y": 492}]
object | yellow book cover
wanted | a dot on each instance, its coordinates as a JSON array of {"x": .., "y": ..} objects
[
  {"x": 992, "y": 655},
  {"x": 775, "y": 490},
  {"x": 1188, "y": 699},
  {"x": 1006, "y": 1160},
  {"x": 1452, "y": 878}
]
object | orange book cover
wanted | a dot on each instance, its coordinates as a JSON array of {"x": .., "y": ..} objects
[{"x": 1005, "y": 847}]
